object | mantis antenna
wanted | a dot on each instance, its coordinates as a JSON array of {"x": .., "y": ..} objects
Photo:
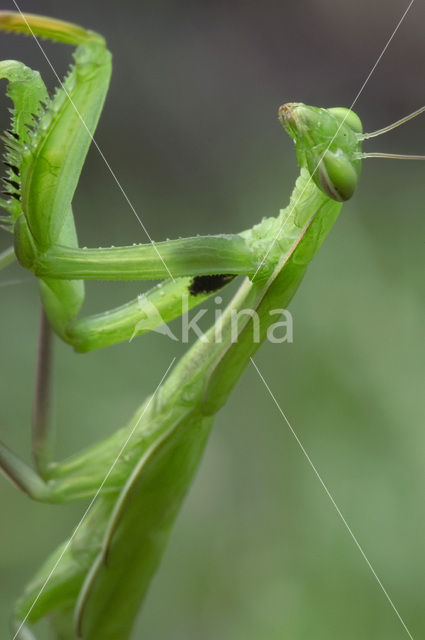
[
  {"x": 393, "y": 156},
  {"x": 394, "y": 125},
  {"x": 390, "y": 127}
]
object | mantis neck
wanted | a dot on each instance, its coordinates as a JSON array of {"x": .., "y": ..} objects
[{"x": 207, "y": 374}]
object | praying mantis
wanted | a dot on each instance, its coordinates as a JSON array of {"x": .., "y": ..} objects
[{"x": 92, "y": 586}]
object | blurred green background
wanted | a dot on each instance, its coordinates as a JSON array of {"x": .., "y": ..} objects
[{"x": 190, "y": 128}]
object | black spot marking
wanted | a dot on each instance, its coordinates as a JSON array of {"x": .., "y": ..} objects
[
  {"x": 208, "y": 284},
  {"x": 12, "y": 133}
]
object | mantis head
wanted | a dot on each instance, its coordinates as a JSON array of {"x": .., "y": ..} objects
[{"x": 328, "y": 143}]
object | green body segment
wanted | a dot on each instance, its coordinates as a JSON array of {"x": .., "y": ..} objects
[
  {"x": 157, "y": 467},
  {"x": 133, "y": 545},
  {"x": 106, "y": 567}
]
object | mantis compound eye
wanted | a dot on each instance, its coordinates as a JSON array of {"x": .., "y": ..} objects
[
  {"x": 347, "y": 117},
  {"x": 336, "y": 175}
]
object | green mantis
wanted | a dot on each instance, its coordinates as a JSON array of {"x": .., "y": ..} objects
[{"x": 93, "y": 584}]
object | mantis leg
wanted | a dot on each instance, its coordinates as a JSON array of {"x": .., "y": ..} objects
[
  {"x": 22, "y": 476},
  {"x": 46, "y": 148},
  {"x": 69, "y": 481},
  {"x": 201, "y": 266},
  {"x": 202, "y": 255},
  {"x": 193, "y": 258},
  {"x": 100, "y": 470},
  {"x": 40, "y": 204},
  {"x": 40, "y": 417},
  {"x": 147, "y": 312},
  {"x": 18, "y": 472},
  {"x": 81, "y": 476},
  {"x": 54, "y": 482}
]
